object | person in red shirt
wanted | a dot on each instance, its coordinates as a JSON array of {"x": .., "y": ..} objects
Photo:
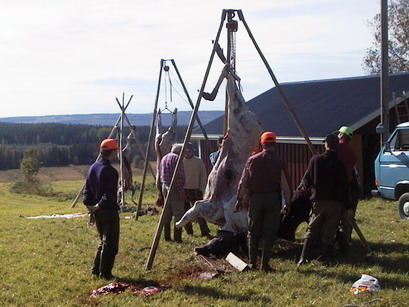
[
  {"x": 347, "y": 156},
  {"x": 264, "y": 178}
]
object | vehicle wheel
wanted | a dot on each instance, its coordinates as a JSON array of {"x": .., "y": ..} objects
[{"x": 403, "y": 206}]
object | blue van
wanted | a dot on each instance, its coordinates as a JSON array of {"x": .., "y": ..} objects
[{"x": 392, "y": 169}]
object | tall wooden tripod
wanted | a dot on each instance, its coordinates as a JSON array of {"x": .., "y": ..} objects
[
  {"x": 118, "y": 132},
  {"x": 163, "y": 67},
  {"x": 231, "y": 25}
]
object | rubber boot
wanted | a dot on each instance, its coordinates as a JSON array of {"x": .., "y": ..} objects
[
  {"x": 326, "y": 253},
  {"x": 265, "y": 258},
  {"x": 305, "y": 252},
  {"x": 97, "y": 261},
  {"x": 189, "y": 228},
  {"x": 166, "y": 231},
  {"x": 343, "y": 243},
  {"x": 204, "y": 229},
  {"x": 253, "y": 252},
  {"x": 177, "y": 234}
]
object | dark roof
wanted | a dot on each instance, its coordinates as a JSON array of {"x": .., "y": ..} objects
[{"x": 321, "y": 106}]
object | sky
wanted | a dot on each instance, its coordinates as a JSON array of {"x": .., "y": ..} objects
[{"x": 62, "y": 57}]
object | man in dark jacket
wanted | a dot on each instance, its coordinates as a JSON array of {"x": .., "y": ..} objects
[
  {"x": 327, "y": 180},
  {"x": 100, "y": 198}
]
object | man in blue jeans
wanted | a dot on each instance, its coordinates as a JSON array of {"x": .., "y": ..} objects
[{"x": 100, "y": 198}]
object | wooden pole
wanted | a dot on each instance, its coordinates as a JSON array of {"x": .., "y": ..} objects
[
  {"x": 83, "y": 186},
  {"x": 148, "y": 148},
  {"x": 278, "y": 86},
  {"x": 155, "y": 242},
  {"x": 360, "y": 234},
  {"x": 121, "y": 154}
]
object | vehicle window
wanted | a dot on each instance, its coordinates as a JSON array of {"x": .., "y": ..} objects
[
  {"x": 401, "y": 140},
  {"x": 393, "y": 142},
  {"x": 404, "y": 140}
]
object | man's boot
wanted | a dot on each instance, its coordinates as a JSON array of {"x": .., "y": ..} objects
[
  {"x": 267, "y": 246},
  {"x": 189, "y": 228},
  {"x": 204, "y": 229},
  {"x": 253, "y": 252},
  {"x": 343, "y": 240},
  {"x": 326, "y": 253},
  {"x": 177, "y": 234},
  {"x": 166, "y": 231},
  {"x": 305, "y": 252}
]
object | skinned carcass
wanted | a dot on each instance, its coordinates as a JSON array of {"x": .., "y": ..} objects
[
  {"x": 126, "y": 171},
  {"x": 165, "y": 138},
  {"x": 220, "y": 196}
]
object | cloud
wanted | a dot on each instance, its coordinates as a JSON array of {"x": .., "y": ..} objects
[{"x": 67, "y": 57}]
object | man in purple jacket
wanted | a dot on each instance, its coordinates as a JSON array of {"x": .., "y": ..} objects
[{"x": 100, "y": 198}]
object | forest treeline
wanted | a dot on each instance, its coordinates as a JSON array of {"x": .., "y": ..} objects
[{"x": 62, "y": 144}]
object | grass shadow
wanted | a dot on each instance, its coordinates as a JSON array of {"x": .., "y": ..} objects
[
  {"x": 362, "y": 261},
  {"x": 211, "y": 292},
  {"x": 139, "y": 282}
]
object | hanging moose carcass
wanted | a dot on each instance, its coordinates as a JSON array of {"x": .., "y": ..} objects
[
  {"x": 165, "y": 138},
  {"x": 241, "y": 138}
]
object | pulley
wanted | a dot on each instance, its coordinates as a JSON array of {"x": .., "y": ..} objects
[{"x": 232, "y": 25}]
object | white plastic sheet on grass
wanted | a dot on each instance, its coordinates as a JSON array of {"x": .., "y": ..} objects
[{"x": 57, "y": 216}]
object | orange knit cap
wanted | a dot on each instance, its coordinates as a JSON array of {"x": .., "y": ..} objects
[
  {"x": 268, "y": 137},
  {"x": 109, "y": 144}
]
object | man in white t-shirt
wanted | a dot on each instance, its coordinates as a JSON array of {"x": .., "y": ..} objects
[{"x": 196, "y": 180}]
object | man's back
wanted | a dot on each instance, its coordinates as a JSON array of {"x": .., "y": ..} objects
[
  {"x": 265, "y": 172},
  {"x": 326, "y": 175},
  {"x": 101, "y": 185},
  {"x": 347, "y": 156},
  {"x": 195, "y": 173}
]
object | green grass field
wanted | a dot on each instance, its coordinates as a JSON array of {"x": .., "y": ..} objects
[{"x": 46, "y": 262}]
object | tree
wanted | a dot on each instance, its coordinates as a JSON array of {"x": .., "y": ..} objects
[
  {"x": 30, "y": 164},
  {"x": 398, "y": 45}
]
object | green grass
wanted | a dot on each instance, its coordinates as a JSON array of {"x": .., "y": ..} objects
[{"x": 46, "y": 262}]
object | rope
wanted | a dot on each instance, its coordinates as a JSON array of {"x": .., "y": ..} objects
[{"x": 177, "y": 92}]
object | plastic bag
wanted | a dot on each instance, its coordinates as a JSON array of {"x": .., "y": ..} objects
[{"x": 365, "y": 284}]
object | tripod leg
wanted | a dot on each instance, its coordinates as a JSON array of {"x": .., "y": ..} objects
[{"x": 360, "y": 234}]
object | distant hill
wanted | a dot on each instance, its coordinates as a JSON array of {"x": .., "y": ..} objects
[{"x": 110, "y": 119}]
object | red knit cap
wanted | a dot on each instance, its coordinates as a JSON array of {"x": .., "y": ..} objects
[
  {"x": 109, "y": 144},
  {"x": 268, "y": 137}
]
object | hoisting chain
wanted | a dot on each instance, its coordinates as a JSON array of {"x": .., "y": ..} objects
[
  {"x": 167, "y": 79},
  {"x": 233, "y": 50}
]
